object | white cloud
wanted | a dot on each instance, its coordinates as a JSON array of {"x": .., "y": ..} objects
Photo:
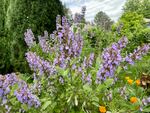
[{"x": 111, "y": 7}]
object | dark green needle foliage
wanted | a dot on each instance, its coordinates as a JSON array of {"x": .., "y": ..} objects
[{"x": 15, "y": 17}]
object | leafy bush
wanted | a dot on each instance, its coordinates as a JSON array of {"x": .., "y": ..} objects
[
  {"x": 133, "y": 26},
  {"x": 139, "y": 6},
  {"x": 96, "y": 39}
]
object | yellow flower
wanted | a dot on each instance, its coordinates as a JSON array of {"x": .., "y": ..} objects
[
  {"x": 130, "y": 81},
  {"x": 127, "y": 78},
  {"x": 102, "y": 109},
  {"x": 133, "y": 99},
  {"x": 138, "y": 82}
]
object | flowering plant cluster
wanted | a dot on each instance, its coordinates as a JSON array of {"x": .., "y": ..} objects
[
  {"x": 66, "y": 80},
  {"x": 21, "y": 93},
  {"x": 111, "y": 59}
]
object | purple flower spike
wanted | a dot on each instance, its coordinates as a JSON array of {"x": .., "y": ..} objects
[
  {"x": 137, "y": 54},
  {"x": 39, "y": 65},
  {"x": 29, "y": 38},
  {"x": 111, "y": 60},
  {"x": 25, "y": 96}
]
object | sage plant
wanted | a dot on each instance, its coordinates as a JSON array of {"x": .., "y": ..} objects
[{"x": 111, "y": 60}]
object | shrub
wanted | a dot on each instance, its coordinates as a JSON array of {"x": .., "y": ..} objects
[
  {"x": 96, "y": 39},
  {"x": 131, "y": 25},
  {"x": 140, "y": 6}
]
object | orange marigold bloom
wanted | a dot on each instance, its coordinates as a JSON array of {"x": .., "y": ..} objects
[
  {"x": 127, "y": 78},
  {"x": 133, "y": 99},
  {"x": 138, "y": 82},
  {"x": 130, "y": 81},
  {"x": 102, "y": 109}
]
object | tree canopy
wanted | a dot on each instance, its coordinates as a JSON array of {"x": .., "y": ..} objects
[
  {"x": 103, "y": 20},
  {"x": 139, "y": 6}
]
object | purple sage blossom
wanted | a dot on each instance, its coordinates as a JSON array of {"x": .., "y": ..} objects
[
  {"x": 25, "y": 96},
  {"x": 111, "y": 60},
  {"x": 137, "y": 54},
  {"x": 37, "y": 64},
  {"x": 44, "y": 43},
  {"x": 5, "y": 82},
  {"x": 29, "y": 38}
]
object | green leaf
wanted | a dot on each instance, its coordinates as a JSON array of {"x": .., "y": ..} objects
[
  {"x": 69, "y": 99},
  {"x": 62, "y": 71},
  {"x": 95, "y": 104},
  {"x": 14, "y": 87},
  {"x": 25, "y": 107},
  {"x": 76, "y": 101},
  {"x": 44, "y": 99},
  {"x": 108, "y": 82},
  {"x": 97, "y": 62},
  {"x": 147, "y": 110},
  {"x": 13, "y": 101},
  {"x": 46, "y": 104},
  {"x": 95, "y": 99},
  {"x": 87, "y": 88},
  {"x": 119, "y": 69},
  {"x": 100, "y": 87}
]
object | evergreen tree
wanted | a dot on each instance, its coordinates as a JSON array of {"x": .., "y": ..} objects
[
  {"x": 103, "y": 20},
  {"x": 19, "y": 15}
]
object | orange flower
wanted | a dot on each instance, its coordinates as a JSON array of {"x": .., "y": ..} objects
[
  {"x": 127, "y": 78},
  {"x": 130, "y": 81},
  {"x": 102, "y": 109},
  {"x": 133, "y": 99},
  {"x": 138, "y": 82}
]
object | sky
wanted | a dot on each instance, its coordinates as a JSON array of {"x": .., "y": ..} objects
[{"x": 113, "y": 8}]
